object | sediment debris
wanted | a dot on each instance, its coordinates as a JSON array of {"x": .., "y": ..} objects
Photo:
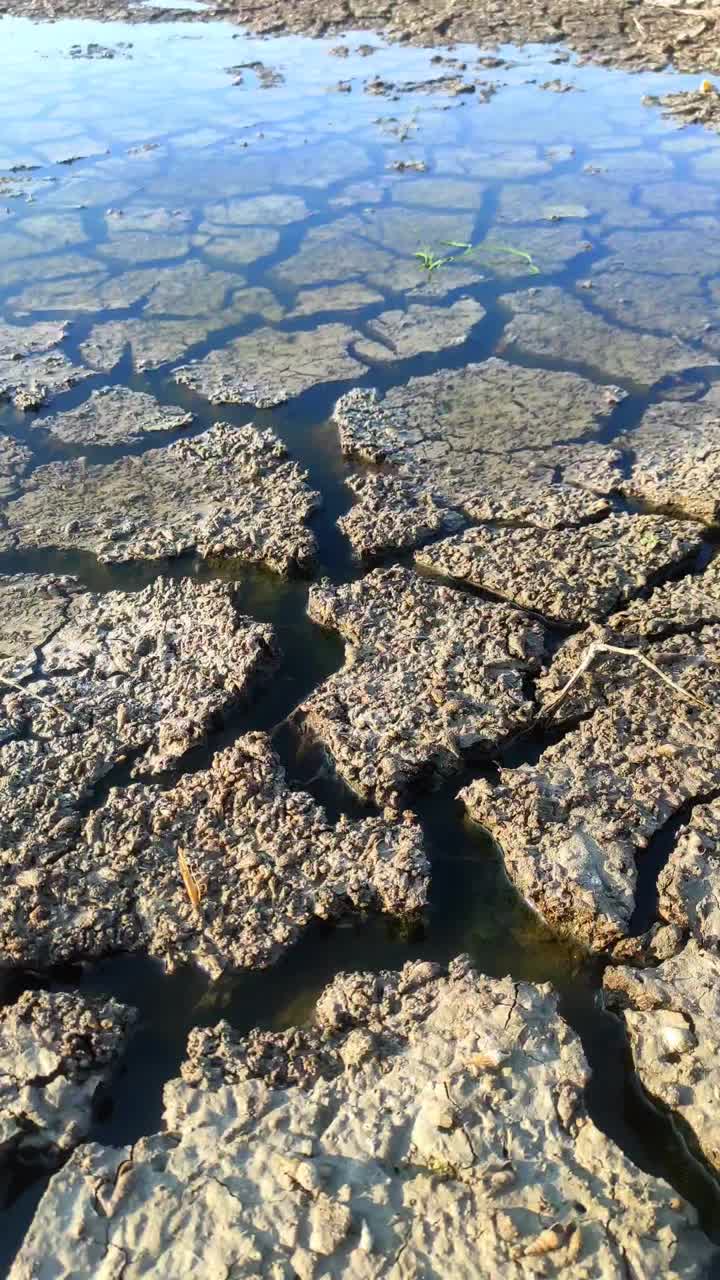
[
  {"x": 32, "y": 367},
  {"x": 268, "y": 366},
  {"x": 690, "y": 106},
  {"x": 570, "y": 576},
  {"x": 430, "y": 676},
  {"x": 671, "y": 1014},
  {"x": 571, "y": 826},
  {"x": 109, "y": 679},
  {"x": 114, "y": 415},
  {"x": 56, "y": 1049},
  {"x": 429, "y": 1122},
  {"x": 223, "y": 869},
  {"x": 241, "y": 497}
]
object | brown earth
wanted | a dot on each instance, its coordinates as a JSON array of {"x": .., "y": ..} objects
[{"x": 614, "y": 32}]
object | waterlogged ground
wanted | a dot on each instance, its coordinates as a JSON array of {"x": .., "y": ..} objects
[{"x": 167, "y": 190}]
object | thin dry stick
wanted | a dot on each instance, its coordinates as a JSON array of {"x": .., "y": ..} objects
[
  {"x": 13, "y": 684},
  {"x": 191, "y": 884},
  {"x": 689, "y": 13},
  {"x": 598, "y": 647}
]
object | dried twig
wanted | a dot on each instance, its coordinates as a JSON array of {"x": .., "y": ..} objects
[
  {"x": 689, "y": 13},
  {"x": 598, "y": 647},
  {"x": 38, "y": 697},
  {"x": 189, "y": 880}
]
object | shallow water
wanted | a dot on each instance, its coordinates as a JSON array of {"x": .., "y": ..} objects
[{"x": 593, "y": 185}]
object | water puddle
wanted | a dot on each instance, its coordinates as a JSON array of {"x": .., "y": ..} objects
[{"x": 386, "y": 212}]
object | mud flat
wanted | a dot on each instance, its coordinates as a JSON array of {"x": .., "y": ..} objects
[
  {"x": 550, "y": 323},
  {"x": 56, "y": 1051},
  {"x": 241, "y": 498},
  {"x": 572, "y": 826},
  {"x": 430, "y": 676},
  {"x": 269, "y": 367},
  {"x": 108, "y": 679},
  {"x": 399, "y": 335},
  {"x": 569, "y": 575},
  {"x": 671, "y": 1014},
  {"x": 114, "y": 415},
  {"x": 428, "y": 1120},
  {"x": 33, "y": 368},
  {"x": 224, "y": 869},
  {"x": 484, "y": 442}
]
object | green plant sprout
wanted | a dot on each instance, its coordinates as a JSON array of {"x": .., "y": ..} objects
[
  {"x": 428, "y": 260},
  {"x": 516, "y": 253},
  {"x": 431, "y": 263}
]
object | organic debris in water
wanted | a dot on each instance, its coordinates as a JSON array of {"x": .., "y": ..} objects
[{"x": 194, "y": 892}]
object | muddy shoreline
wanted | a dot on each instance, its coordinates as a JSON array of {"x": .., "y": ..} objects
[{"x": 622, "y": 33}]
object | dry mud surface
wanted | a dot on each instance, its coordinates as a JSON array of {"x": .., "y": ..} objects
[
  {"x": 430, "y": 676},
  {"x": 107, "y": 678},
  {"x": 689, "y": 884},
  {"x": 428, "y": 1122},
  {"x": 424, "y": 1120},
  {"x": 224, "y": 869},
  {"x": 486, "y": 442},
  {"x": 671, "y": 1014},
  {"x": 572, "y": 575},
  {"x": 676, "y": 457},
  {"x": 56, "y": 1049},
  {"x": 571, "y": 826},
  {"x": 230, "y": 492}
]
